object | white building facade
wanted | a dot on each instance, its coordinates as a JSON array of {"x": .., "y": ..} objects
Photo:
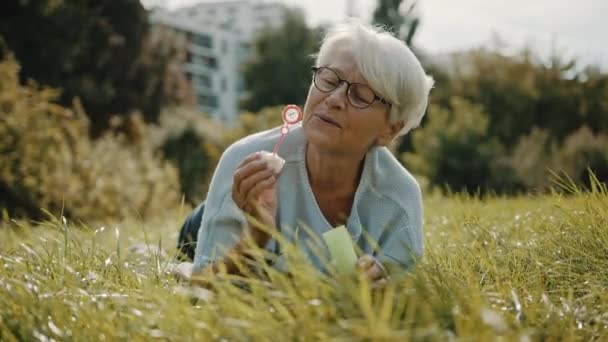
[{"x": 217, "y": 37}]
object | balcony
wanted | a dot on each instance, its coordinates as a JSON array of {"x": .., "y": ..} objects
[{"x": 198, "y": 69}]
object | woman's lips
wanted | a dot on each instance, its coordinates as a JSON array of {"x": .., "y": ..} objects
[{"x": 328, "y": 120}]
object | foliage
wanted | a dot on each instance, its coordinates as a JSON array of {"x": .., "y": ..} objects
[
  {"x": 532, "y": 113},
  {"x": 520, "y": 92},
  {"x": 99, "y": 51},
  {"x": 187, "y": 152},
  {"x": 454, "y": 149},
  {"x": 389, "y": 14},
  {"x": 250, "y": 123},
  {"x": 191, "y": 142},
  {"x": 536, "y": 157},
  {"x": 526, "y": 268},
  {"x": 581, "y": 151},
  {"x": 279, "y": 71},
  {"x": 49, "y": 162},
  {"x": 194, "y": 143},
  {"x": 533, "y": 158}
]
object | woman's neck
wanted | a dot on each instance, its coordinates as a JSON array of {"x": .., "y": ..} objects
[{"x": 330, "y": 173}]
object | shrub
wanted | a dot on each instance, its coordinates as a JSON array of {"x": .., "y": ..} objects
[
  {"x": 536, "y": 156},
  {"x": 194, "y": 143},
  {"x": 49, "y": 162},
  {"x": 583, "y": 151},
  {"x": 533, "y": 157},
  {"x": 453, "y": 148}
]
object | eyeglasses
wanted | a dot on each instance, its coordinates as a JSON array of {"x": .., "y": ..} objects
[{"x": 358, "y": 94}]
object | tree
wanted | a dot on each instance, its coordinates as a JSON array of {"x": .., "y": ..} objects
[
  {"x": 404, "y": 25},
  {"x": 279, "y": 71},
  {"x": 48, "y": 161},
  {"x": 454, "y": 149},
  {"x": 96, "y": 50},
  {"x": 513, "y": 119},
  {"x": 519, "y": 92}
]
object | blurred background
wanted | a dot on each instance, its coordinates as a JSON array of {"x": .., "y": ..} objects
[{"x": 112, "y": 109}]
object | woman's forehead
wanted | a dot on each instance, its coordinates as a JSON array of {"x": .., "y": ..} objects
[{"x": 340, "y": 57}]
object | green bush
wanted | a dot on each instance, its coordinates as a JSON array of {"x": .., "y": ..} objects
[
  {"x": 49, "y": 162},
  {"x": 536, "y": 157},
  {"x": 194, "y": 143},
  {"x": 453, "y": 149},
  {"x": 187, "y": 152},
  {"x": 520, "y": 91},
  {"x": 533, "y": 158},
  {"x": 583, "y": 151},
  {"x": 531, "y": 111}
]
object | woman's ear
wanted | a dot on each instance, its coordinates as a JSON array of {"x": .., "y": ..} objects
[{"x": 390, "y": 132}]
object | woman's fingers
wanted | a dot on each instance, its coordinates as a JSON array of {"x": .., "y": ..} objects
[
  {"x": 250, "y": 158},
  {"x": 260, "y": 186},
  {"x": 365, "y": 262},
  {"x": 248, "y": 183},
  {"x": 247, "y": 170},
  {"x": 378, "y": 284},
  {"x": 374, "y": 271},
  {"x": 249, "y": 180}
]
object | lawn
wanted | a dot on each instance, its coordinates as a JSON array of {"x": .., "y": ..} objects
[{"x": 527, "y": 268}]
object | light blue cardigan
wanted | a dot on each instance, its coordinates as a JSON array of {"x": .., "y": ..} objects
[{"x": 387, "y": 206}]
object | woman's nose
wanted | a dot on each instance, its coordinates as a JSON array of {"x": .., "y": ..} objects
[{"x": 337, "y": 98}]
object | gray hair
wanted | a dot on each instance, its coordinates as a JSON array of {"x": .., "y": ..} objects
[{"x": 389, "y": 66}]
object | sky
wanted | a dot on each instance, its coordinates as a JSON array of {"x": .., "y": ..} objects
[{"x": 572, "y": 28}]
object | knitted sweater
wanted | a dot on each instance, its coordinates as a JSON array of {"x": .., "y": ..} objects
[{"x": 385, "y": 219}]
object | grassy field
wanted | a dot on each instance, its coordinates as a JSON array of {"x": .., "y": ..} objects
[{"x": 527, "y": 268}]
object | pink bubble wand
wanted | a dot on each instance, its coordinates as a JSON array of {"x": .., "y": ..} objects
[{"x": 292, "y": 114}]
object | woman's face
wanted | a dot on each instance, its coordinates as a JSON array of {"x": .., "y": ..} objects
[{"x": 332, "y": 123}]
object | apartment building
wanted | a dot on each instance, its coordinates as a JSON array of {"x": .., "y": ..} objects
[{"x": 217, "y": 39}]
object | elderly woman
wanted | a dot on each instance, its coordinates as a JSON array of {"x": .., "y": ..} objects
[{"x": 367, "y": 88}]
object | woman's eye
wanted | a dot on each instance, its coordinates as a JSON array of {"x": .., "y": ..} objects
[
  {"x": 331, "y": 82},
  {"x": 358, "y": 97}
]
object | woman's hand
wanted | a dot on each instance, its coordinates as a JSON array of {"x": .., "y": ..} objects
[
  {"x": 253, "y": 189},
  {"x": 374, "y": 271}
]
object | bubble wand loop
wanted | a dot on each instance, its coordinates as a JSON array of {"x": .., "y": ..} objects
[{"x": 292, "y": 114}]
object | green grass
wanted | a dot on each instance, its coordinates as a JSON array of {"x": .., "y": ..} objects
[{"x": 525, "y": 268}]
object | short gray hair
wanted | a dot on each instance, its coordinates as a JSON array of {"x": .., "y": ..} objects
[{"x": 389, "y": 66}]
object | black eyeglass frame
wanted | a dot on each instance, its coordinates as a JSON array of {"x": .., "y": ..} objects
[{"x": 348, "y": 85}]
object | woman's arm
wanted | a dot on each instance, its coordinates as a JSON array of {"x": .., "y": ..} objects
[{"x": 253, "y": 195}]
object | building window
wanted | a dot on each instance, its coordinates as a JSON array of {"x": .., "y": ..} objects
[
  {"x": 202, "y": 40},
  {"x": 244, "y": 50},
  {"x": 204, "y": 80},
  {"x": 210, "y": 62},
  {"x": 208, "y": 101},
  {"x": 262, "y": 18}
]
